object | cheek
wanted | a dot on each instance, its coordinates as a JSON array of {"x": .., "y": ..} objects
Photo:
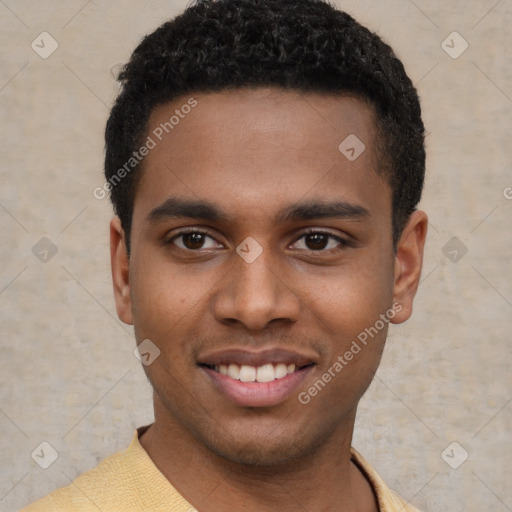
[
  {"x": 349, "y": 311},
  {"x": 163, "y": 302},
  {"x": 163, "y": 307},
  {"x": 350, "y": 299},
  {"x": 354, "y": 313}
]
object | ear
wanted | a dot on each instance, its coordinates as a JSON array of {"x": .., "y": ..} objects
[
  {"x": 408, "y": 263},
  {"x": 120, "y": 271}
]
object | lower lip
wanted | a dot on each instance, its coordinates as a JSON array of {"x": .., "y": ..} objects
[{"x": 257, "y": 394}]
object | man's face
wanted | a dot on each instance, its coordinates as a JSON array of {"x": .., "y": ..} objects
[{"x": 262, "y": 158}]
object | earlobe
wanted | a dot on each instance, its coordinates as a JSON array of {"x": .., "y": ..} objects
[
  {"x": 408, "y": 264},
  {"x": 120, "y": 264}
]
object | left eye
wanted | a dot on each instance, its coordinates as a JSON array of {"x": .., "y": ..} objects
[
  {"x": 193, "y": 241},
  {"x": 319, "y": 241}
]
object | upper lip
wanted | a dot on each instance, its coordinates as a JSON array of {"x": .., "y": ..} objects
[{"x": 256, "y": 358}]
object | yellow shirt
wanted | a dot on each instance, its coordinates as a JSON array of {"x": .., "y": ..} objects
[{"x": 128, "y": 481}]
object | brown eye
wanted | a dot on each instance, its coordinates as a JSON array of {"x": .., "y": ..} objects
[
  {"x": 194, "y": 241},
  {"x": 320, "y": 241},
  {"x": 317, "y": 241}
]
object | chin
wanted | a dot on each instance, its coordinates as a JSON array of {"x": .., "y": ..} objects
[
  {"x": 264, "y": 450},
  {"x": 257, "y": 454}
]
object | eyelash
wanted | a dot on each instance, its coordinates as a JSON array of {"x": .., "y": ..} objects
[{"x": 343, "y": 243}]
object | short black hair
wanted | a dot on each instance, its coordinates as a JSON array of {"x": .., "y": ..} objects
[{"x": 301, "y": 45}]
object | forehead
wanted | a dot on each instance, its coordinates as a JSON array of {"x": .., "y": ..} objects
[{"x": 262, "y": 148}]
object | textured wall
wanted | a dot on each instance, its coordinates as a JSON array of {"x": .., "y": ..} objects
[{"x": 67, "y": 373}]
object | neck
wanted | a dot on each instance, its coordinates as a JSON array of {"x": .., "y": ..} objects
[{"x": 322, "y": 480}]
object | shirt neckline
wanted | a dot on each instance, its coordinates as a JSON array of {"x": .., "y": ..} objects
[{"x": 379, "y": 488}]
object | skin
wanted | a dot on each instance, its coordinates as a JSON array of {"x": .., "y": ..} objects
[{"x": 254, "y": 153}]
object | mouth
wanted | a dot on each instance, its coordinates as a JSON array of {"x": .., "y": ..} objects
[
  {"x": 256, "y": 379},
  {"x": 265, "y": 373}
]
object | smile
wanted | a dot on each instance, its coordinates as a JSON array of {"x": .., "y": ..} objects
[
  {"x": 257, "y": 379},
  {"x": 265, "y": 373}
]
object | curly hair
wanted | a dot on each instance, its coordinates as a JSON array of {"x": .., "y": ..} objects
[{"x": 302, "y": 45}]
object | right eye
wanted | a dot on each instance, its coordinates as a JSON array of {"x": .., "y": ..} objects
[{"x": 193, "y": 240}]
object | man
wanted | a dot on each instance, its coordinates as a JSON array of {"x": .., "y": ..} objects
[{"x": 265, "y": 159}]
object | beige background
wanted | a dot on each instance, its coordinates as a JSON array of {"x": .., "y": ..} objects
[{"x": 67, "y": 372}]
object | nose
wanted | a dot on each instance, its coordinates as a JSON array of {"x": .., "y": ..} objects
[{"x": 256, "y": 294}]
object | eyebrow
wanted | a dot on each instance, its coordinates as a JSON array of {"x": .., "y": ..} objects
[{"x": 175, "y": 207}]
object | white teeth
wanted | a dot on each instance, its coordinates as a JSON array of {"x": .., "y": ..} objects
[
  {"x": 247, "y": 373},
  {"x": 234, "y": 371},
  {"x": 264, "y": 373},
  {"x": 280, "y": 371}
]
